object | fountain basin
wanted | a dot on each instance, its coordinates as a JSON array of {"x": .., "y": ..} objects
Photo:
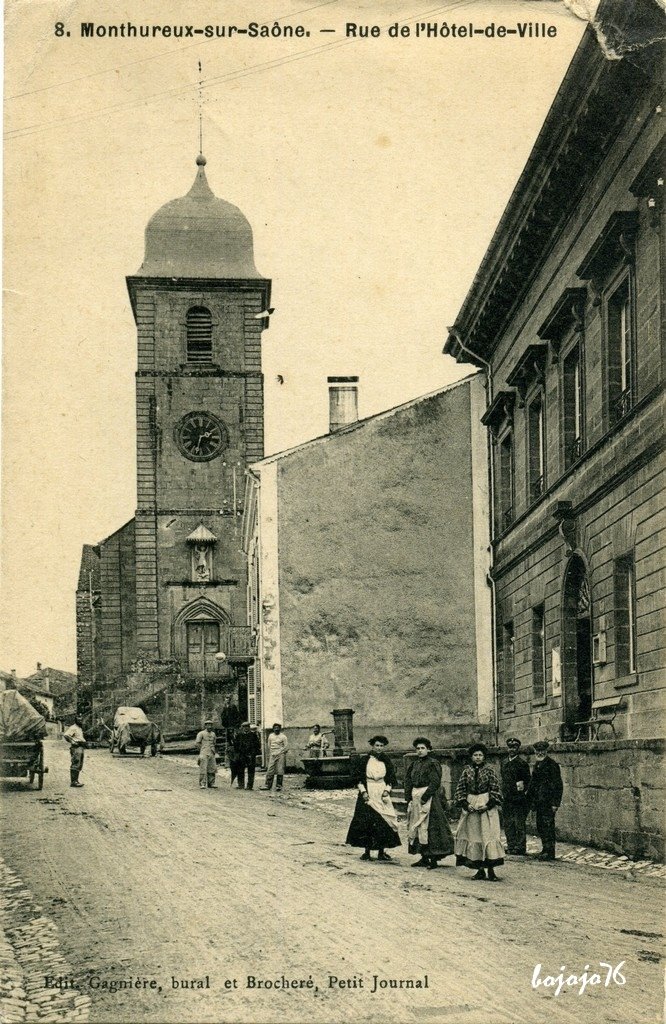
[{"x": 328, "y": 772}]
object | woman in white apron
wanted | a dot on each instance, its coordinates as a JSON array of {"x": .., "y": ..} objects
[
  {"x": 429, "y": 832},
  {"x": 478, "y": 840},
  {"x": 375, "y": 822}
]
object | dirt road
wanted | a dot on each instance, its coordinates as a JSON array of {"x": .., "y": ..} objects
[{"x": 147, "y": 877}]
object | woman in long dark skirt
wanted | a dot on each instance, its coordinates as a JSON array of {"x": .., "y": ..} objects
[
  {"x": 375, "y": 822},
  {"x": 478, "y": 840},
  {"x": 429, "y": 832}
]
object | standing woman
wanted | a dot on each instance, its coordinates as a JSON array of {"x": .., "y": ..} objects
[
  {"x": 429, "y": 832},
  {"x": 375, "y": 822},
  {"x": 478, "y": 843}
]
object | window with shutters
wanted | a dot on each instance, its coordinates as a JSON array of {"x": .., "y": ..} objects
[
  {"x": 506, "y": 482},
  {"x": 625, "y": 616},
  {"x": 620, "y": 360},
  {"x": 573, "y": 406},
  {"x": 538, "y": 654},
  {"x": 536, "y": 447},
  {"x": 506, "y": 666},
  {"x": 199, "y": 335}
]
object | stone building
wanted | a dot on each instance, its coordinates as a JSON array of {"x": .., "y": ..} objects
[
  {"x": 367, "y": 561},
  {"x": 566, "y": 315},
  {"x": 161, "y": 602}
]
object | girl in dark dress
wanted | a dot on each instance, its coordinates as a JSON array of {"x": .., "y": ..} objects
[
  {"x": 429, "y": 832},
  {"x": 375, "y": 822}
]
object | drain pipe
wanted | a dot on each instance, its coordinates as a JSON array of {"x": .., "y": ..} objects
[{"x": 474, "y": 358}]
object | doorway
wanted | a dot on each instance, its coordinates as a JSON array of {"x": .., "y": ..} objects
[{"x": 203, "y": 643}]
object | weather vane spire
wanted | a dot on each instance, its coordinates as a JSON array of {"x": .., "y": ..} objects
[{"x": 200, "y": 109}]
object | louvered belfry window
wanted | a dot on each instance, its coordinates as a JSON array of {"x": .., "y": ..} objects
[{"x": 199, "y": 331}]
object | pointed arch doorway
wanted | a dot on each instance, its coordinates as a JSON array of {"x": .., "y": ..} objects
[{"x": 576, "y": 642}]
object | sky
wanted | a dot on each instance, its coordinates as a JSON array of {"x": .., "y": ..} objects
[{"x": 373, "y": 172}]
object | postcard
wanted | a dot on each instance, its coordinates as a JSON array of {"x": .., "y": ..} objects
[{"x": 332, "y": 424}]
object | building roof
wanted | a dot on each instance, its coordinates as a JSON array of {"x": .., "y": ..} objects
[
  {"x": 10, "y": 681},
  {"x": 89, "y": 569},
  {"x": 53, "y": 680},
  {"x": 199, "y": 236},
  {"x": 596, "y": 98},
  {"x": 40, "y": 690},
  {"x": 359, "y": 424}
]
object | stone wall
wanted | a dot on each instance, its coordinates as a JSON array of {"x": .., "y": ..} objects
[
  {"x": 377, "y": 576},
  {"x": 614, "y": 793}
]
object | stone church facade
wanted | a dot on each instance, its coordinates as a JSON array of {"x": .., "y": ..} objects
[{"x": 161, "y": 606}]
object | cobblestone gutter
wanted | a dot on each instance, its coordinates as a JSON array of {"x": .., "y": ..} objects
[{"x": 29, "y": 951}]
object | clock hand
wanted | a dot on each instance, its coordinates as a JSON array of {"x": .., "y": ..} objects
[{"x": 201, "y": 438}]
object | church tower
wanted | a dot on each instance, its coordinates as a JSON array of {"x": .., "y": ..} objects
[{"x": 197, "y": 301}]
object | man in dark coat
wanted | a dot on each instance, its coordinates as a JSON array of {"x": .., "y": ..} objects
[
  {"x": 515, "y": 773},
  {"x": 246, "y": 747},
  {"x": 230, "y": 718},
  {"x": 545, "y": 796}
]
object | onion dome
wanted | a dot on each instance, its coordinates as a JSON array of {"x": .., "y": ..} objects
[{"x": 199, "y": 235}]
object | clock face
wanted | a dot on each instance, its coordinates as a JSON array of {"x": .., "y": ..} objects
[{"x": 200, "y": 436}]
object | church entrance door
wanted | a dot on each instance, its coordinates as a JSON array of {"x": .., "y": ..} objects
[{"x": 203, "y": 643}]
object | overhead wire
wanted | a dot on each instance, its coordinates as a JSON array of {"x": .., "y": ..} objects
[
  {"x": 27, "y": 130},
  {"x": 145, "y": 60}
]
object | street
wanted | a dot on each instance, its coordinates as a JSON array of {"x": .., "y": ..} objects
[{"x": 201, "y": 898}]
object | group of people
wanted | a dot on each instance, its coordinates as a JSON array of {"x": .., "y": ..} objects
[
  {"x": 478, "y": 795},
  {"x": 243, "y": 747}
]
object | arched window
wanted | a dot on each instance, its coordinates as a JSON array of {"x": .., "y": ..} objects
[{"x": 199, "y": 333}]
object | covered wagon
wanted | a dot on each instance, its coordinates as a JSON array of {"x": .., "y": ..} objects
[
  {"x": 22, "y": 730},
  {"x": 132, "y": 728}
]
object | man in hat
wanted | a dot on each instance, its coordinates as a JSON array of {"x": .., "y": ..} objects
[
  {"x": 77, "y": 744},
  {"x": 247, "y": 745},
  {"x": 545, "y": 796},
  {"x": 205, "y": 741},
  {"x": 515, "y": 773}
]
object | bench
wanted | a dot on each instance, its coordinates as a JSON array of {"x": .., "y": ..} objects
[{"x": 604, "y": 712}]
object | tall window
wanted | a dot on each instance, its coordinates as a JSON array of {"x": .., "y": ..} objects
[
  {"x": 621, "y": 369},
  {"x": 199, "y": 334},
  {"x": 506, "y": 666},
  {"x": 574, "y": 416},
  {"x": 625, "y": 616},
  {"x": 536, "y": 447},
  {"x": 538, "y": 653},
  {"x": 506, "y": 482}
]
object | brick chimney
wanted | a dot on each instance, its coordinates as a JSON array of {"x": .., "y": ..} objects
[
  {"x": 342, "y": 402},
  {"x": 39, "y": 666}
]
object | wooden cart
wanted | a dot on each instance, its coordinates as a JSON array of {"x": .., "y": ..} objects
[{"x": 23, "y": 760}]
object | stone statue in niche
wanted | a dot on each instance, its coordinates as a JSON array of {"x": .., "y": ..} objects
[{"x": 201, "y": 563}]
